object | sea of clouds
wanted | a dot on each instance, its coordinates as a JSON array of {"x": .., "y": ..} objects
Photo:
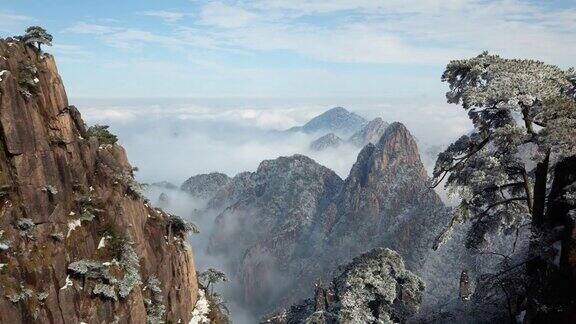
[{"x": 173, "y": 139}]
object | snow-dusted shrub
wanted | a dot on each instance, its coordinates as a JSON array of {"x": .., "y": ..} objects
[
  {"x": 21, "y": 295},
  {"x": 106, "y": 282},
  {"x": 180, "y": 227},
  {"x": 102, "y": 133},
  {"x": 106, "y": 291},
  {"x": 87, "y": 268},
  {"x": 28, "y": 80},
  {"x": 374, "y": 288},
  {"x": 155, "y": 308},
  {"x": 24, "y": 224},
  {"x": 131, "y": 265}
]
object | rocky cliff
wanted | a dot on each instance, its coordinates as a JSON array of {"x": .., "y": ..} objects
[
  {"x": 77, "y": 241},
  {"x": 386, "y": 201}
]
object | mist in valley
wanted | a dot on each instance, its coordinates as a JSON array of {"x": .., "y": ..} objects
[{"x": 172, "y": 140}]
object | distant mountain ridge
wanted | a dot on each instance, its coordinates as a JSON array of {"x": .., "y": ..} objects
[
  {"x": 337, "y": 120},
  {"x": 338, "y": 126},
  {"x": 327, "y": 141}
]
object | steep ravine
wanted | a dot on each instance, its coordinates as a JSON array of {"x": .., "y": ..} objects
[{"x": 77, "y": 241}]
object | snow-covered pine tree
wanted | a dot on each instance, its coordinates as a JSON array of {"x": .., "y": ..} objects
[{"x": 524, "y": 117}]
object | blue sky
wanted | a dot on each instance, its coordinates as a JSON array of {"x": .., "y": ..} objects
[{"x": 284, "y": 48}]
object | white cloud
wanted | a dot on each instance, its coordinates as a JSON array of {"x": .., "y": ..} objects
[
  {"x": 87, "y": 28},
  {"x": 10, "y": 22},
  {"x": 71, "y": 53},
  {"x": 221, "y": 15},
  {"x": 365, "y": 31},
  {"x": 427, "y": 32},
  {"x": 136, "y": 38},
  {"x": 168, "y": 16}
]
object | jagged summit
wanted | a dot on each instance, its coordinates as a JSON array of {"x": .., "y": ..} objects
[
  {"x": 337, "y": 120},
  {"x": 397, "y": 144},
  {"x": 204, "y": 186},
  {"x": 329, "y": 140},
  {"x": 396, "y": 149},
  {"x": 370, "y": 133}
]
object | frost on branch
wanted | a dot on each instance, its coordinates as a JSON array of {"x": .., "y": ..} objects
[{"x": 523, "y": 113}]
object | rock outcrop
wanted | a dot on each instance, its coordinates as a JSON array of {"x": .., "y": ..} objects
[
  {"x": 266, "y": 221},
  {"x": 77, "y": 241},
  {"x": 204, "y": 186},
  {"x": 374, "y": 288},
  {"x": 371, "y": 133},
  {"x": 329, "y": 140}
]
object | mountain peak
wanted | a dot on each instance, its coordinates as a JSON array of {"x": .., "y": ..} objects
[
  {"x": 370, "y": 133},
  {"x": 395, "y": 153},
  {"x": 205, "y": 185},
  {"x": 326, "y": 141},
  {"x": 338, "y": 110},
  {"x": 397, "y": 140},
  {"x": 337, "y": 120}
]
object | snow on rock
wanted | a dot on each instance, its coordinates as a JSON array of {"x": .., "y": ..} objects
[
  {"x": 68, "y": 283},
  {"x": 2, "y": 73},
  {"x": 201, "y": 310},
  {"x": 72, "y": 225}
]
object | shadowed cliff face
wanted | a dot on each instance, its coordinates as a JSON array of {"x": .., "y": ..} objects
[
  {"x": 293, "y": 221},
  {"x": 77, "y": 241}
]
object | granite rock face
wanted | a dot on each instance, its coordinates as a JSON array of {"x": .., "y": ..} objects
[
  {"x": 266, "y": 219},
  {"x": 78, "y": 242},
  {"x": 370, "y": 133},
  {"x": 374, "y": 288},
  {"x": 385, "y": 201}
]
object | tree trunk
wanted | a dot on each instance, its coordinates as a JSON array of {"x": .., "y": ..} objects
[
  {"x": 540, "y": 191},
  {"x": 553, "y": 286}
]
